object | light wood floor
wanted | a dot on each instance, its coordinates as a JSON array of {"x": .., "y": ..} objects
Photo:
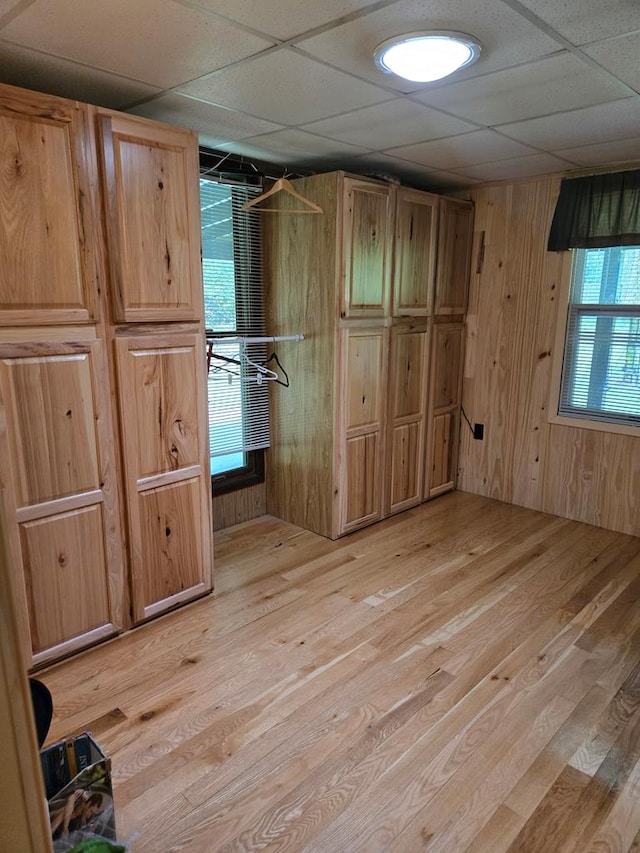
[{"x": 462, "y": 677}]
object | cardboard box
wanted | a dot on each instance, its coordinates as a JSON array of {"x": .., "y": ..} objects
[{"x": 77, "y": 777}]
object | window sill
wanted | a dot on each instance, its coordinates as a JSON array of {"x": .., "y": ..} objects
[
  {"x": 598, "y": 426},
  {"x": 240, "y": 478}
]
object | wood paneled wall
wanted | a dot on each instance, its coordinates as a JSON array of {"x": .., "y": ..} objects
[
  {"x": 235, "y": 507},
  {"x": 514, "y": 300}
]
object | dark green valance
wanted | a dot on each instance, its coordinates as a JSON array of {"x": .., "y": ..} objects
[{"x": 597, "y": 211}]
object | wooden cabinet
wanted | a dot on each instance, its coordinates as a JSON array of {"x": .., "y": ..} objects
[
  {"x": 156, "y": 310},
  {"x": 163, "y": 417},
  {"x": 104, "y": 477},
  {"x": 358, "y": 281},
  {"x": 369, "y": 425},
  {"x": 59, "y": 491}
]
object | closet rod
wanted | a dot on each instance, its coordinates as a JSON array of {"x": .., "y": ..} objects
[{"x": 264, "y": 339}]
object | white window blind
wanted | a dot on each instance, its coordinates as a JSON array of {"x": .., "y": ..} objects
[
  {"x": 232, "y": 276},
  {"x": 601, "y": 368}
]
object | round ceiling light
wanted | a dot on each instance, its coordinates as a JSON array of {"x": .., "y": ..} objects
[{"x": 428, "y": 56}]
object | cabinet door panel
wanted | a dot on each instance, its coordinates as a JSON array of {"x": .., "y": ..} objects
[
  {"x": 406, "y": 470},
  {"x": 447, "y": 358},
  {"x": 364, "y": 377},
  {"x": 170, "y": 519},
  {"x": 59, "y": 496},
  {"x": 47, "y": 260},
  {"x": 365, "y": 358},
  {"x": 454, "y": 256},
  {"x": 66, "y": 576},
  {"x": 367, "y": 248},
  {"x": 163, "y": 423},
  {"x": 444, "y": 411},
  {"x": 153, "y": 220},
  {"x": 50, "y": 406},
  {"x": 362, "y": 499},
  {"x": 415, "y": 253},
  {"x": 408, "y": 374},
  {"x": 408, "y": 371},
  {"x": 166, "y": 408},
  {"x": 443, "y": 455}
]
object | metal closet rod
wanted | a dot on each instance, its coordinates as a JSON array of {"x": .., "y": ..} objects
[{"x": 251, "y": 339}]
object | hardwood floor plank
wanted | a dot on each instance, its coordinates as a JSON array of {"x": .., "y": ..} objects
[{"x": 462, "y": 676}]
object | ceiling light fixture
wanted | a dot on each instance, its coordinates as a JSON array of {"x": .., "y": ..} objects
[{"x": 427, "y": 56}]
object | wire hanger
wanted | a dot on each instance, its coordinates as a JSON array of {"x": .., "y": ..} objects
[
  {"x": 283, "y": 185},
  {"x": 263, "y": 372},
  {"x": 284, "y": 382}
]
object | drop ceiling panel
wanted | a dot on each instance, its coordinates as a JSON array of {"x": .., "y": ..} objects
[
  {"x": 583, "y": 21},
  {"x": 507, "y": 37},
  {"x": 518, "y": 167},
  {"x": 286, "y": 88},
  {"x": 215, "y": 125},
  {"x": 550, "y": 85},
  {"x": 603, "y": 123},
  {"x": 284, "y": 18},
  {"x": 397, "y": 122},
  {"x": 620, "y": 56},
  {"x": 7, "y": 5},
  {"x": 415, "y": 176},
  {"x": 34, "y": 70},
  {"x": 293, "y": 146},
  {"x": 318, "y": 102},
  {"x": 606, "y": 153},
  {"x": 162, "y": 43},
  {"x": 481, "y": 146}
]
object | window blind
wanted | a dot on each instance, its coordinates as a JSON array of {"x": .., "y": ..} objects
[
  {"x": 233, "y": 296},
  {"x": 601, "y": 369}
]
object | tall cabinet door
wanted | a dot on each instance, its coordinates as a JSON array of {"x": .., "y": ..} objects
[
  {"x": 408, "y": 369},
  {"x": 367, "y": 248},
  {"x": 444, "y": 416},
  {"x": 363, "y": 399},
  {"x": 48, "y": 273},
  {"x": 59, "y": 496},
  {"x": 153, "y": 220},
  {"x": 163, "y": 424},
  {"x": 415, "y": 253}
]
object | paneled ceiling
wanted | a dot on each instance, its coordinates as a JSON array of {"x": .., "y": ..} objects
[{"x": 293, "y": 82}]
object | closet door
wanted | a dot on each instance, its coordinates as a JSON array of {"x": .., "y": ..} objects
[
  {"x": 408, "y": 372},
  {"x": 48, "y": 273},
  {"x": 415, "y": 253},
  {"x": 153, "y": 220},
  {"x": 365, "y": 358},
  {"x": 367, "y": 248},
  {"x": 163, "y": 424},
  {"x": 58, "y": 494}
]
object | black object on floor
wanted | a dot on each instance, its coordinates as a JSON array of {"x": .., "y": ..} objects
[{"x": 42, "y": 708}]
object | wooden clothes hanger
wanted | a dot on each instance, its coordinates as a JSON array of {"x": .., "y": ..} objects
[{"x": 283, "y": 185}]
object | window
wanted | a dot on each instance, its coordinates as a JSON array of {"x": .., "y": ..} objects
[
  {"x": 601, "y": 367},
  {"x": 231, "y": 265}
]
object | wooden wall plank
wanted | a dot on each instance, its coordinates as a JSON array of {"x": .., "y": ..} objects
[{"x": 513, "y": 307}]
